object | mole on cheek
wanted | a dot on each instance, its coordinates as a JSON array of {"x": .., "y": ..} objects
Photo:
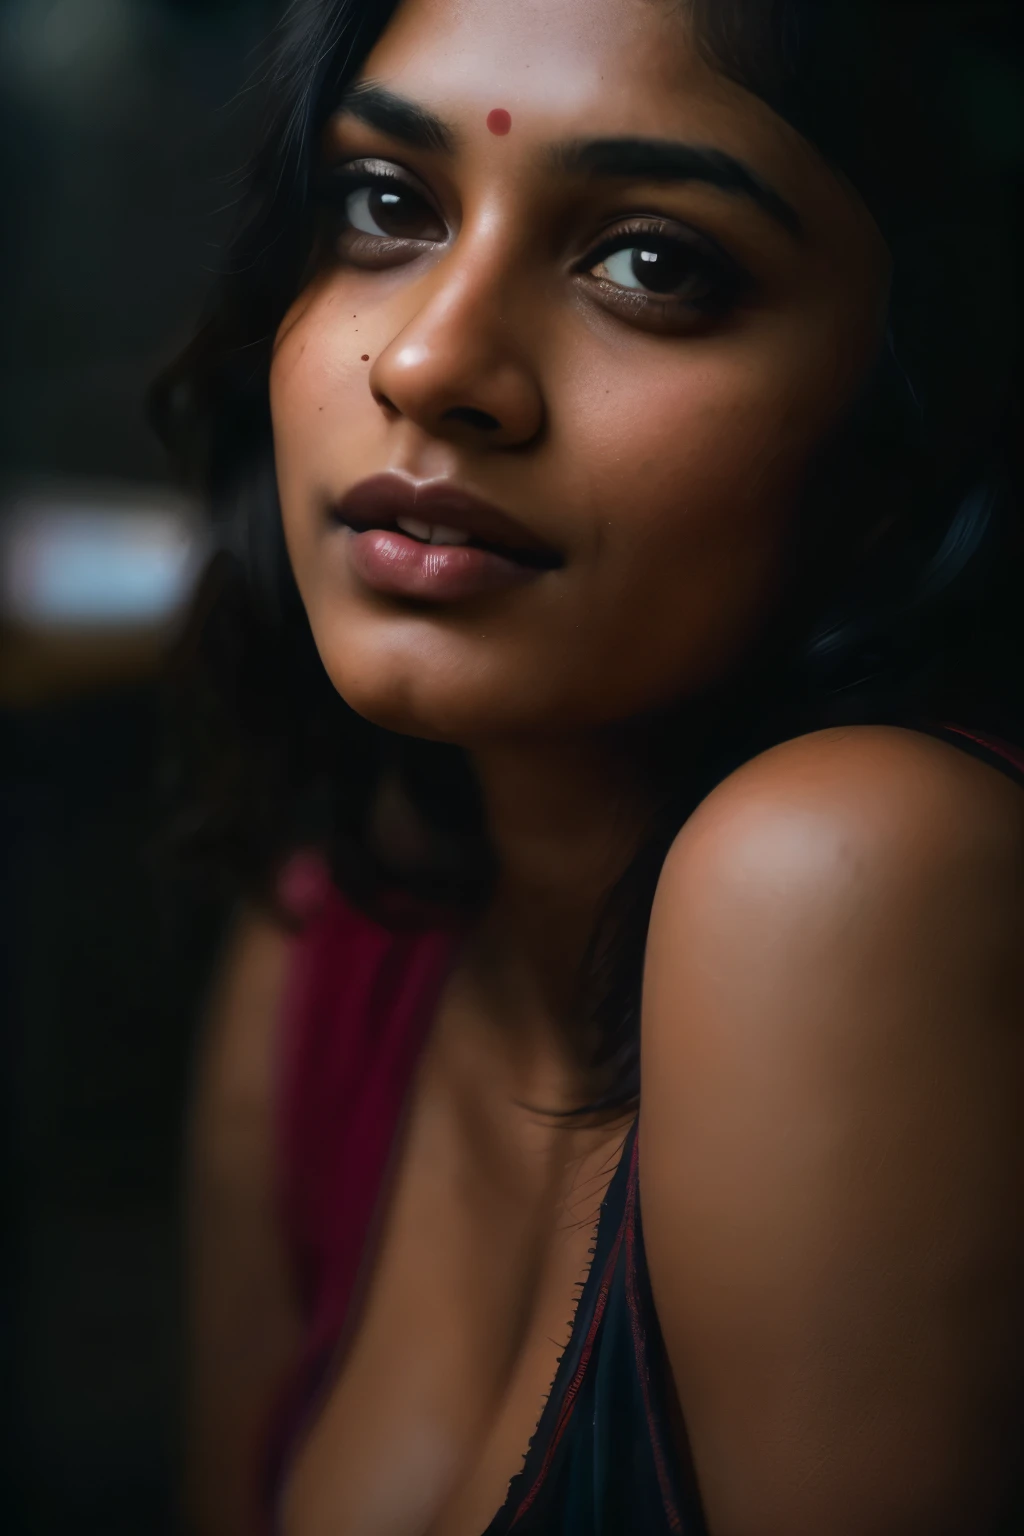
[{"x": 499, "y": 121}]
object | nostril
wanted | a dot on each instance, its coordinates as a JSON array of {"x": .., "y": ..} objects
[
  {"x": 482, "y": 420},
  {"x": 384, "y": 403}
]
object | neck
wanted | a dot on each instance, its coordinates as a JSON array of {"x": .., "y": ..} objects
[{"x": 565, "y": 819}]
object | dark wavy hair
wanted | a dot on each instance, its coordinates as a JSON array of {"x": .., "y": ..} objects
[{"x": 902, "y": 99}]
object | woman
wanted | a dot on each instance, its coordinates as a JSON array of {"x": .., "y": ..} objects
[{"x": 630, "y": 385}]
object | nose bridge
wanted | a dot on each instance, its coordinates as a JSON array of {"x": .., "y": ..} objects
[
  {"x": 478, "y": 272},
  {"x": 459, "y": 350}
]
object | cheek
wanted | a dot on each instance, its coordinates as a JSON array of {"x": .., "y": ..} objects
[
  {"x": 317, "y": 372},
  {"x": 698, "y": 462},
  {"x": 710, "y": 428},
  {"x": 317, "y": 379},
  {"x": 692, "y": 478}
]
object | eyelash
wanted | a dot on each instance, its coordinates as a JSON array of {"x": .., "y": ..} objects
[
  {"x": 335, "y": 186},
  {"x": 723, "y": 280}
]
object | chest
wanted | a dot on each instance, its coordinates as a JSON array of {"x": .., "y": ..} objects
[{"x": 484, "y": 1241}]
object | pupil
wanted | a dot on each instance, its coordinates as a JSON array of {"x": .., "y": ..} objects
[
  {"x": 660, "y": 271},
  {"x": 395, "y": 211}
]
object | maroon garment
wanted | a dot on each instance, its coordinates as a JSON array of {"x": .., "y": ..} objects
[
  {"x": 359, "y": 1003},
  {"x": 359, "y": 1006}
]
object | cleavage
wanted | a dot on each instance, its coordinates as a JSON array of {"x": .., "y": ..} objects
[{"x": 484, "y": 1243}]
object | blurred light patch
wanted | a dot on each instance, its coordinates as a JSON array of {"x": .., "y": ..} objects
[
  {"x": 50, "y": 45},
  {"x": 98, "y": 560}
]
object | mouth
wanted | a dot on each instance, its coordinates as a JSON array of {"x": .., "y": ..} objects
[{"x": 439, "y": 514}]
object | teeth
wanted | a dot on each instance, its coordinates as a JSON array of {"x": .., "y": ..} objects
[
  {"x": 432, "y": 533},
  {"x": 415, "y": 527}
]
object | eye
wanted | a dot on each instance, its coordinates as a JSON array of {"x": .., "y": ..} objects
[
  {"x": 389, "y": 210},
  {"x": 649, "y": 269},
  {"x": 373, "y": 215},
  {"x": 665, "y": 273}
]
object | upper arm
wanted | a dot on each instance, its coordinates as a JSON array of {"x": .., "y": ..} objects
[
  {"x": 243, "y": 1323},
  {"x": 832, "y": 1151}
]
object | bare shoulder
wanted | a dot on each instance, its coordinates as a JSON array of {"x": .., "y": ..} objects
[
  {"x": 898, "y": 793},
  {"x": 831, "y": 1144},
  {"x": 831, "y": 839},
  {"x": 844, "y": 887}
]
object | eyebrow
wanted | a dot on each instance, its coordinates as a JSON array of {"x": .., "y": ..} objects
[
  {"x": 667, "y": 160},
  {"x": 398, "y": 117},
  {"x": 624, "y": 159}
]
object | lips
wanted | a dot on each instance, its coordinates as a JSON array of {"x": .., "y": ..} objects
[
  {"x": 433, "y": 543},
  {"x": 441, "y": 515}
]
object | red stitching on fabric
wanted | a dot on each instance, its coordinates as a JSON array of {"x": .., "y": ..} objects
[
  {"x": 640, "y": 1351},
  {"x": 1000, "y": 748},
  {"x": 572, "y": 1391}
]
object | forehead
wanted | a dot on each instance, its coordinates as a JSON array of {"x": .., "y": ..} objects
[
  {"x": 538, "y": 50},
  {"x": 593, "y": 68}
]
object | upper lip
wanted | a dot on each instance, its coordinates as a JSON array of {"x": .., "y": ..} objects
[{"x": 379, "y": 501}]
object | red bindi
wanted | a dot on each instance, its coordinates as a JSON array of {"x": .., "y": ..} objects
[{"x": 499, "y": 121}]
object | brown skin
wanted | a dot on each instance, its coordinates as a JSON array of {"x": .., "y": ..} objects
[
  {"x": 830, "y": 1163},
  {"x": 833, "y": 1178},
  {"x": 660, "y": 454}
]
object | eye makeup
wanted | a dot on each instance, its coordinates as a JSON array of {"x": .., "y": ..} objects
[{"x": 658, "y": 273}]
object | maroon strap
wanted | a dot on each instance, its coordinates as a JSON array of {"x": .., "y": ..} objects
[
  {"x": 990, "y": 748},
  {"x": 358, "y": 1007}
]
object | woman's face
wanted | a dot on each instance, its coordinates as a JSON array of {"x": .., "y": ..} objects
[{"x": 582, "y": 300}]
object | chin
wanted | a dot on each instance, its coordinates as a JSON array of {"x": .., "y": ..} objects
[
  {"x": 394, "y": 710},
  {"x": 436, "y": 700},
  {"x": 416, "y": 677}
]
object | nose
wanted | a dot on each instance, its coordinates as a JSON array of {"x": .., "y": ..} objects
[{"x": 455, "y": 369}]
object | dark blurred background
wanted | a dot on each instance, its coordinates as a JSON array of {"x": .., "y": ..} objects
[{"x": 124, "y": 125}]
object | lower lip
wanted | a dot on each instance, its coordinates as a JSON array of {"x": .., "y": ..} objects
[{"x": 399, "y": 566}]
